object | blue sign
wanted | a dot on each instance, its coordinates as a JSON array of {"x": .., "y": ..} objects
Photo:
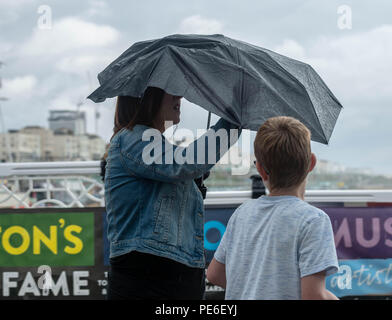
[{"x": 362, "y": 277}]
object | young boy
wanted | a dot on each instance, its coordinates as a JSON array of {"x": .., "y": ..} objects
[{"x": 277, "y": 246}]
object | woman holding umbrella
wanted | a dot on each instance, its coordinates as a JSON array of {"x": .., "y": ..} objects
[{"x": 155, "y": 211}]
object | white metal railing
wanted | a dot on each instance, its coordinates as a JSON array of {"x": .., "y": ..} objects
[
  {"x": 50, "y": 184},
  {"x": 357, "y": 197},
  {"x": 77, "y": 184},
  {"x": 46, "y": 168}
]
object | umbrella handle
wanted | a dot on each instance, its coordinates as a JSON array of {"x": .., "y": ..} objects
[
  {"x": 208, "y": 126},
  {"x": 208, "y": 120}
]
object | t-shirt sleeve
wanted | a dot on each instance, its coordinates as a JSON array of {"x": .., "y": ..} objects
[
  {"x": 317, "y": 247},
  {"x": 220, "y": 253}
]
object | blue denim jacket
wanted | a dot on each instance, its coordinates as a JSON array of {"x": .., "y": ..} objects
[{"x": 157, "y": 208}]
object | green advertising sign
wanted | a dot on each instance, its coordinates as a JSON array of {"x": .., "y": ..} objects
[{"x": 52, "y": 238}]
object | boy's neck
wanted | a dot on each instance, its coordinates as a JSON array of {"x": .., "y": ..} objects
[{"x": 298, "y": 192}]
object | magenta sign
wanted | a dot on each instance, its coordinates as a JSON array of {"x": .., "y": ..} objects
[{"x": 362, "y": 233}]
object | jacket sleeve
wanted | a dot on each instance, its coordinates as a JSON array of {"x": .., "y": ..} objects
[{"x": 158, "y": 159}]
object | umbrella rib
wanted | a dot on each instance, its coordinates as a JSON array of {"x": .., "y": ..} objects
[
  {"x": 241, "y": 87},
  {"x": 292, "y": 77},
  {"x": 331, "y": 95},
  {"x": 201, "y": 88},
  {"x": 276, "y": 93},
  {"x": 280, "y": 67},
  {"x": 303, "y": 87}
]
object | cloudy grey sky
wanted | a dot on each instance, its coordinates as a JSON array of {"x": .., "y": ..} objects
[{"x": 56, "y": 68}]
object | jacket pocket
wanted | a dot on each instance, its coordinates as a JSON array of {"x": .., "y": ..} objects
[{"x": 165, "y": 223}]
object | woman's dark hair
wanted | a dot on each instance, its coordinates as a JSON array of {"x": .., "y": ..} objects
[{"x": 132, "y": 110}]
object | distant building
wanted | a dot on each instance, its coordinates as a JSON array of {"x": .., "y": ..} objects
[
  {"x": 84, "y": 147},
  {"x": 96, "y": 147},
  {"x": 75, "y": 121},
  {"x": 324, "y": 166},
  {"x": 46, "y": 140},
  {"x": 66, "y": 145},
  {"x": 23, "y": 147},
  {"x": 34, "y": 143}
]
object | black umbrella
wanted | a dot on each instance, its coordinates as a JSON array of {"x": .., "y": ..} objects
[{"x": 240, "y": 82}]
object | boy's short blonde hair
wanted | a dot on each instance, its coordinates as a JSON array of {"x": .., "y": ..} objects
[{"x": 282, "y": 146}]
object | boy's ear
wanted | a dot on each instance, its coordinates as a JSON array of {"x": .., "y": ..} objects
[
  {"x": 313, "y": 161},
  {"x": 261, "y": 171}
]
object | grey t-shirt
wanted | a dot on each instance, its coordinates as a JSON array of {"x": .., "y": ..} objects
[{"x": 270, "y": 243}]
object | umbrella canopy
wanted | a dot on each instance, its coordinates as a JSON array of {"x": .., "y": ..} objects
[{"x": 240, "y": 82}]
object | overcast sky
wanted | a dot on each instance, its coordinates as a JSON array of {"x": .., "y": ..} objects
[{"x": 55, "y": 68}]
